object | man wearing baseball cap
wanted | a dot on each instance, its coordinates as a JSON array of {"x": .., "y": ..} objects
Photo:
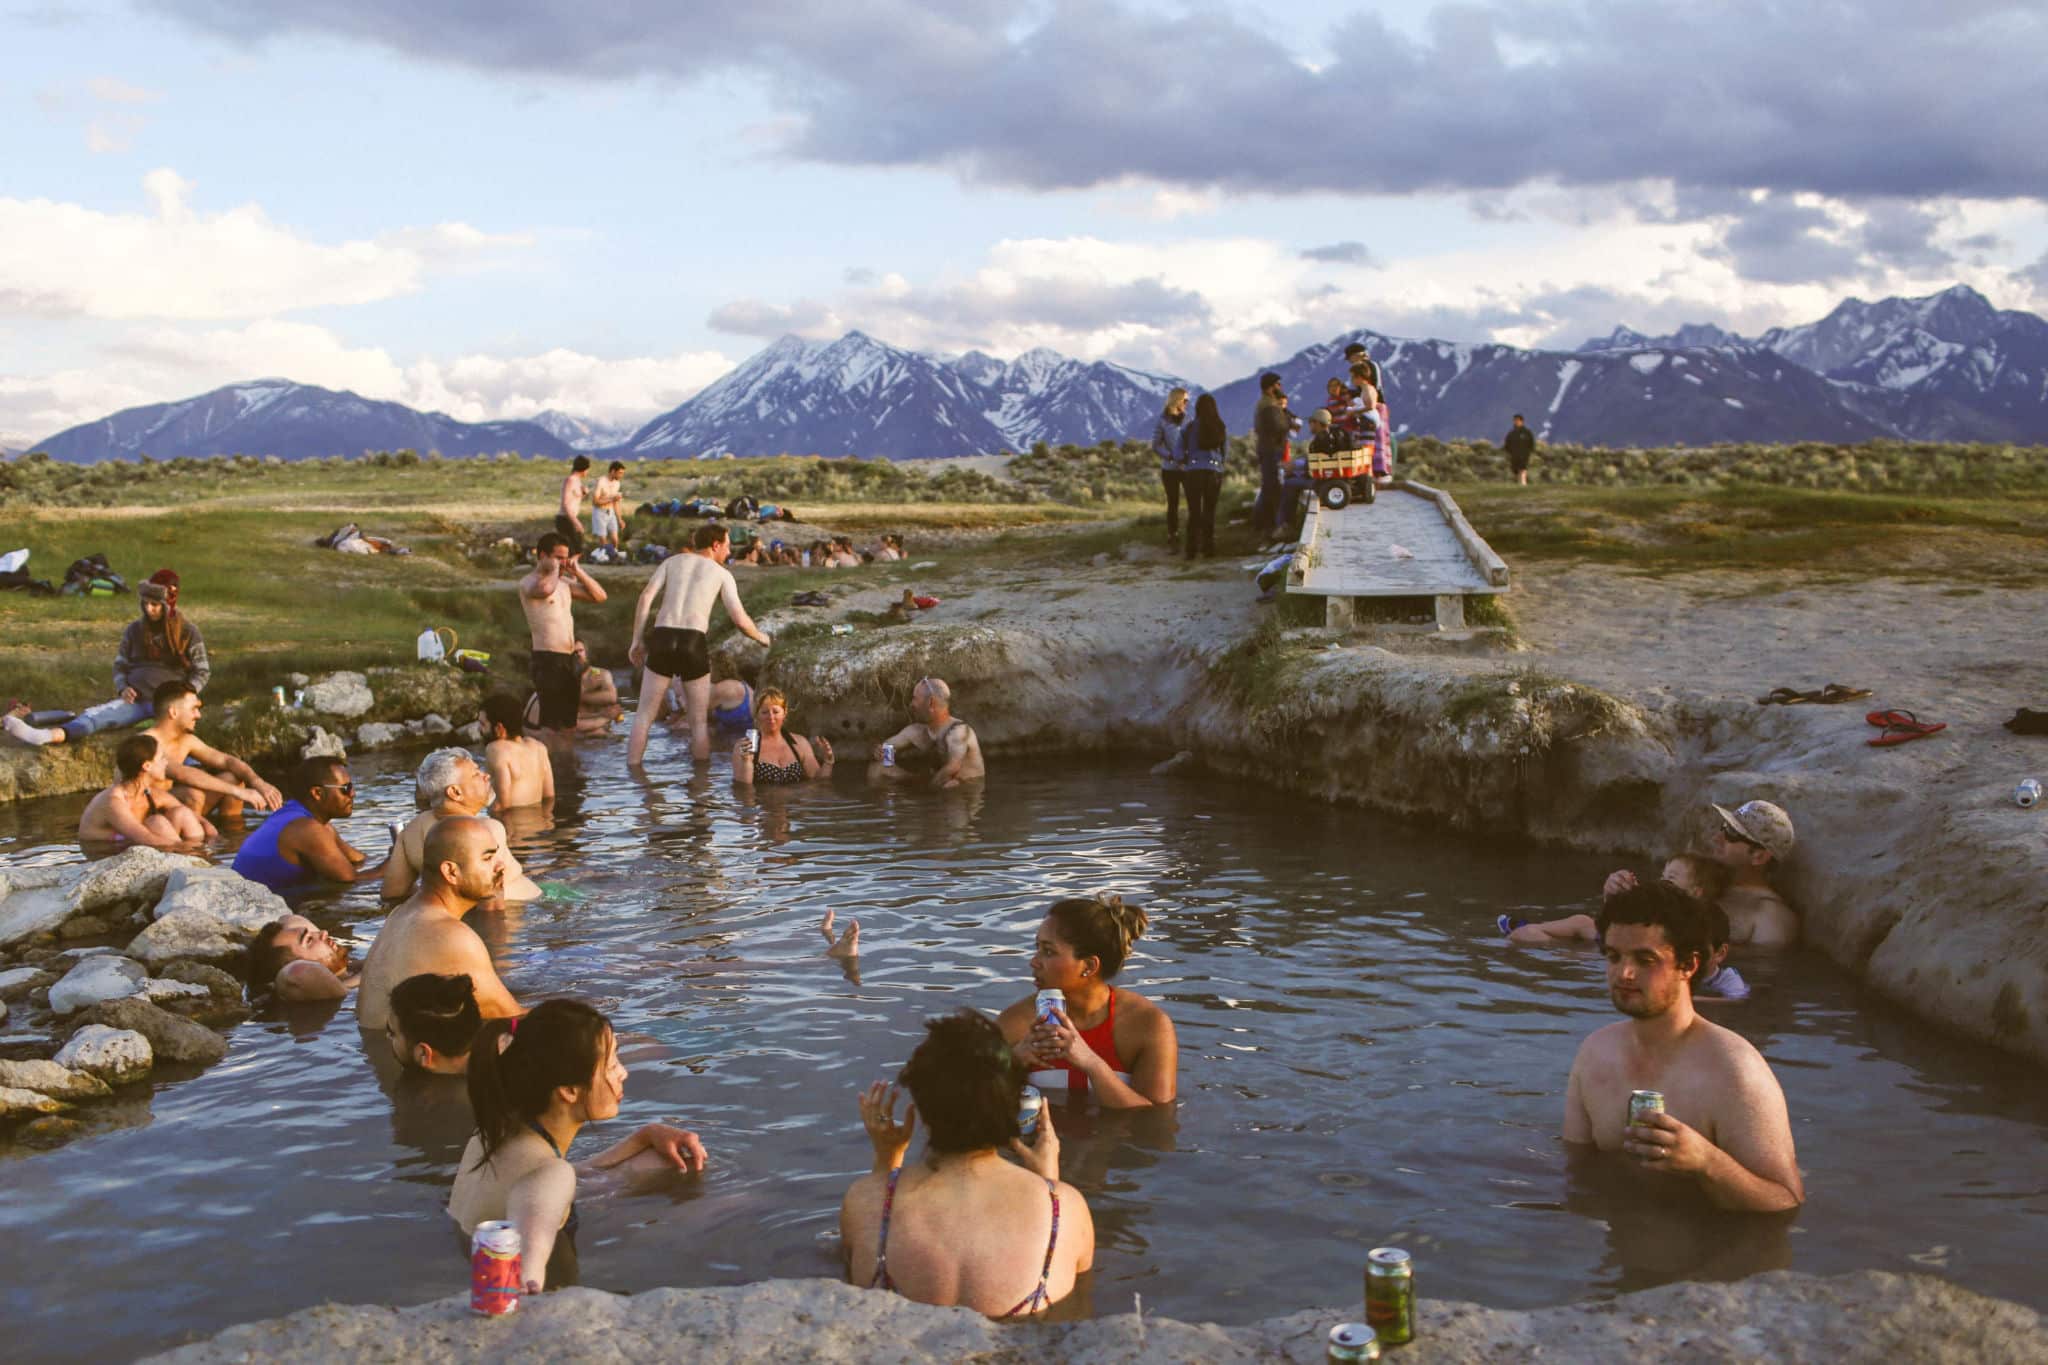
[{"x": 1749, "y": 841}]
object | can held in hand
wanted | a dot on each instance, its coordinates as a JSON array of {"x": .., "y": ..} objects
[
  {"x": 1350, "y": 1341},
  {"x": 2027, "y": 794},
  {"x": 1049, "y": 1003},
  {"x": 494, "y": 1276},
  {"x": 1028, "y": 1101},
  {"x": 888, "y": 755},
  {"x": 1641, "y": 1102},
  {"x": 754, "y": 743},
  {"x": 1390, "y": 1295}
]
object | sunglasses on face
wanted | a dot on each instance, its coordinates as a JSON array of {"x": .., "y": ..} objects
[
  {"x": 345, "y": 788},
  {"x": 1736, "y": 838}
]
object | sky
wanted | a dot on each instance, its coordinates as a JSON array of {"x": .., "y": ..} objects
[{"x": 495, "y": 207}]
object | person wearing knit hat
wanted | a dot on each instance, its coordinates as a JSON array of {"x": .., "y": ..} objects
[
  {"x": 1749, "y": 841},
  {"x": 160, "y": 645}
]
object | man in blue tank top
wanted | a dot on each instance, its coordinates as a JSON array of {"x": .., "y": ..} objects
[{"x": 297, "y": 844}]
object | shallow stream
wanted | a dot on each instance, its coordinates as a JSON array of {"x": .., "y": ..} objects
[{"x": 1362, "y": 1062}]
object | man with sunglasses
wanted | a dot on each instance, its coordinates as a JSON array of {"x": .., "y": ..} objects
[
  {"x": 298, "y": 844},
  {"x": 1750, "y": 841}
]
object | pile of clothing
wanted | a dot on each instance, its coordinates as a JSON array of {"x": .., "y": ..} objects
[
  {"x": 14, "y": 575},
  {"x": 742, "y": 508},
  {"x": 350, "y": 540},
  {"x": 92, "y": 576}
]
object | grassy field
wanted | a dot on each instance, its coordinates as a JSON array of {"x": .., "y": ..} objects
[{"x": 240, "y": 534}]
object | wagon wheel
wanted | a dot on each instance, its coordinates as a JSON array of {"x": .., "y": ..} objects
[{"x": 1336, "y": 496}]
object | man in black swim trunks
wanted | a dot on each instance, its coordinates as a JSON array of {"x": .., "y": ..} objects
[
  {"x": 545, "y": 594},
  {"x": 686, "y": 584}
]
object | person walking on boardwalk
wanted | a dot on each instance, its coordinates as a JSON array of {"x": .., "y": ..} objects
[
  {"x": 1520, "y": 444},
  {"x": 1166, "y": 444},
  {"x": 557, "y": 578}
]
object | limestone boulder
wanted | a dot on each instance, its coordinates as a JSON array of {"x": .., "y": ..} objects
[
  {"x": 340, "y": 694},
  {"x": 13, "y": 879},
  {"x": 158, "y": 991},
  {"x": 171, "y": 1038},
  {"x": 116, "y": 1056},
  {"x": 136, "y": 874},
  {"x": 379, "y": 734},
  {"x": 219, "y": 984},
  {"x": 33, "y": 910},
  {"x": 50, "y": 1079},
  {"x": 26, "y": 1104},
  {"x": 17, "y": 982},
  {"x": 320, "y": 744},
  {"x": 186, "y": 934},
  {"x": 95, "y": 979},
  {"x": 222, "y": 894}
]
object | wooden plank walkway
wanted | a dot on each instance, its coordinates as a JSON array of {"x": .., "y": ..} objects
[{"x": 1411, "y": 541}]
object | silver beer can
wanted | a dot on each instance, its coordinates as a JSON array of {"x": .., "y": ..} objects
[
  {"x": 754, "y": 742},
  {"x": 1050, "y": 1001},
  {"x": 2028, "y": 794},
  {"x": 1028, "y": 1101},
  {"x": 888, "y": 755}
]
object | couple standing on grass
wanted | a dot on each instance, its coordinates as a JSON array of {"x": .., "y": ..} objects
[{"x": 1191, "y": 452}]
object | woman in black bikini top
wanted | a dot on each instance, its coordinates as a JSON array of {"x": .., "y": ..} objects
[{"x": 775, "y": 759}]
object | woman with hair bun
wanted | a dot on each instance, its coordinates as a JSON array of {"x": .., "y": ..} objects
[
  {"x": 533, "y": 1083},
  {"x": 1107, "y": 1040}
]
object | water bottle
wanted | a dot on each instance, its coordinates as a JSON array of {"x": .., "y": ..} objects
[{"x": 431, "y": 650}]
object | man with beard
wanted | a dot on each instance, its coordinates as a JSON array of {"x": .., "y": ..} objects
[
  {"x": 298, "y": 844},
  {"x": 1724, "y": 1128},
  {"x": 463, "y": 866},
  {"x": 207, "y": 779},
  {"x": 451, "y": 784},
  {"x": 298, "y": 961}
]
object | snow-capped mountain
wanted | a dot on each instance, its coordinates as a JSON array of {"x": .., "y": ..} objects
[
  {"x": 293, "y": 421},
  {"x": 1650, "y": 395},
  {"x": 1045, "y": 396},
  {"x": 1693, "y": 336},
  {"x": 581, "y": 433},
  {"x": 853, "y": 396}
]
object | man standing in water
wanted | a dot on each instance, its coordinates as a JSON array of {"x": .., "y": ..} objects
[
  {"x": 936, "y": 748},
  {"x": 426, "y": 934},
  {"x": 1724, "y": 1128},
  {"x": 557, "y": 578},
  {"x": 1749, "y": 841},
  {"x": 687, "y": 585}
]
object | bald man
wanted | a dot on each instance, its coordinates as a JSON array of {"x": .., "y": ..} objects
[
  {"x": 937, "y": 748},
  {"x": 463, "y": 865}
]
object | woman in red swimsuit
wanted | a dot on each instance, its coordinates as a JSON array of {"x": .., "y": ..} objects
[{"x": 1109, "y": 1041}]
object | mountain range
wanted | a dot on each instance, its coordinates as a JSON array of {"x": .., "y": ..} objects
[{"x": 1948, "y": 366}]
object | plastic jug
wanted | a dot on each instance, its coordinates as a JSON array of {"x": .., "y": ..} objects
[{"x": 431, "y": 648}]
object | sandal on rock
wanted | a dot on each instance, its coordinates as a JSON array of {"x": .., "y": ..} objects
[
  {"x": 1902, "y": 731},
  {"x": 2023, "y": 722},
  {"x": 1787, "y": 696},
  {"x": 1836, "y": 692},
  {"x": 1883, "y": 718}
]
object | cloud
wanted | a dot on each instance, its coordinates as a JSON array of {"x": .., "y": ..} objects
[
  {"x": 1478, "y": 95},
  {"x": 177, "y": 261},
  {"x": 155, "y": 364},
  {"x": 109, "y": 90},
  {"x": 1782, "y": 241},
  {"x": 1339, "y": 253}
]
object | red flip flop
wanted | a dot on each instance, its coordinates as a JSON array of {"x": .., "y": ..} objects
[
  {"x": 1902, "y": 731},
  {"x": 1881, "y": 719}
]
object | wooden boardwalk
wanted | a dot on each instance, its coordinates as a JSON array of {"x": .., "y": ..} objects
[{"x": 1412, "y": 541}]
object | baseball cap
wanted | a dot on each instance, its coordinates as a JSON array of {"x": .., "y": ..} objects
[
  {"x": 1761, "y": 823},
  {"x": 1321, "y": 415}
]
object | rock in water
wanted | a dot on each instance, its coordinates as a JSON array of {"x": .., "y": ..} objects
[
  {"x": 224, "y": 895},
  {"x": 57, "y": 1082},
  {"x": 116, "y": 1056},
  {"x": 221, "y": 985},
  {"x": 378, "y": 734},
  {"x": 171, "y": 1039},
  {"x": 96, "y": 979},
  {"x": 340, "y": 694},
  {"x": 1183, "y": 759},
  {"x": 137, "y": 874},
  {"x": 22, "y": 1104},
  {"x": 186, "y": 933},
  {"x": 320, "y": 744}
]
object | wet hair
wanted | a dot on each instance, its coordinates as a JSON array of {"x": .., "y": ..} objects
[
  {"x": 168, "y": 694},
  {"x": 1717, "y": 931},
  {"x": 132, "y": 753},
  {"x": 1099, "y": 926},
  {"x": 266, "y": 957},
  {"x": 561, "y": 1042},
  {"x": 704, "y": 537},
  {"x": 439, "y": 1011},
  {"x": 314, "y": 772},
  {"x": 546, "y": 546},
  {"x": 437, "y": 772},
  {"x": 1683, "y": 918},
  {"x": 965, "y": 1082},
  {"x": 1711, "y": 878},
  {"x": 506, "y": 711},
  {"x": 579, "y": 464},
  {"x": 1209, "y": 430}
]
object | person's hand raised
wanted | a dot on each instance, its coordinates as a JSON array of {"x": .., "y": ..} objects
[
  {"x": 1618, "y": 882},
  {"x": 1042, "y": 1153},
  {"x": 889, "y": 1138}
]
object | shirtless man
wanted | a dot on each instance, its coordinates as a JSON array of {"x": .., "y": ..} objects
[
  {"x": 936, "y": 742},
  {"x": 1749, "y": 841},
  {"x": 298, "y": 961},
  {"x": 1724, "y": 1129},
  {"x": 519, "y": 767},
  {"x": 607, "y": 505},
  {"x": 298, "y": 844},
  {"x": 687, "y": 584},
  {"x": 453, "y": 786},
  {"x": 566, "y": 517},
  {"x": 131, "y": 811},
  {"x": 217, "y": 783},
  {"x": 597, "y": 698},
  {"x": 545, "y": 594},
  {"x": 465, "y": 865}
]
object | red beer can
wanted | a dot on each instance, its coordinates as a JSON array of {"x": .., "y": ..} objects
[{"x": 494, "y": 1278}]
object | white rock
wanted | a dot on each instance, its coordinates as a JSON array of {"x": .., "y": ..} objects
[
  {"x": 379, "y": 734},
  {"x": 320, "y": 744},
  {"x": 34, "y": 910},
  {"x": 81, "y": 954},
  {"x": 340, "y": 694},
  {"x": 187, "y": 933},
  {"x": 48, "y": 1078},
  {"x": 115, "y": 1055},
  {"x": 223, "y": 894},
  {"x": 15, "y": 976},
  {"x": 135, "y": 874},
  {"x": 95, "y": 979},
  {"x": 435, "y": 724},
  {"x": 158, "y": 989},
  {"x": 22, "y": 1104},
  {"x": 13, "y": 879},
  {"x": 297, "y": 679},
  {"x": 472, "y": 733}
]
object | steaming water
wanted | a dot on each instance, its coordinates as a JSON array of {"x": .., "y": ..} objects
[{"x": 1362, "y": 1062}]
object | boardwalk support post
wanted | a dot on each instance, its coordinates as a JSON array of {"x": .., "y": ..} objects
[{"x": 1450, "y": 611}]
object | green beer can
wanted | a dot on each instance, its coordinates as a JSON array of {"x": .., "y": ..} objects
[{"x": 1390, "y": 1295}]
